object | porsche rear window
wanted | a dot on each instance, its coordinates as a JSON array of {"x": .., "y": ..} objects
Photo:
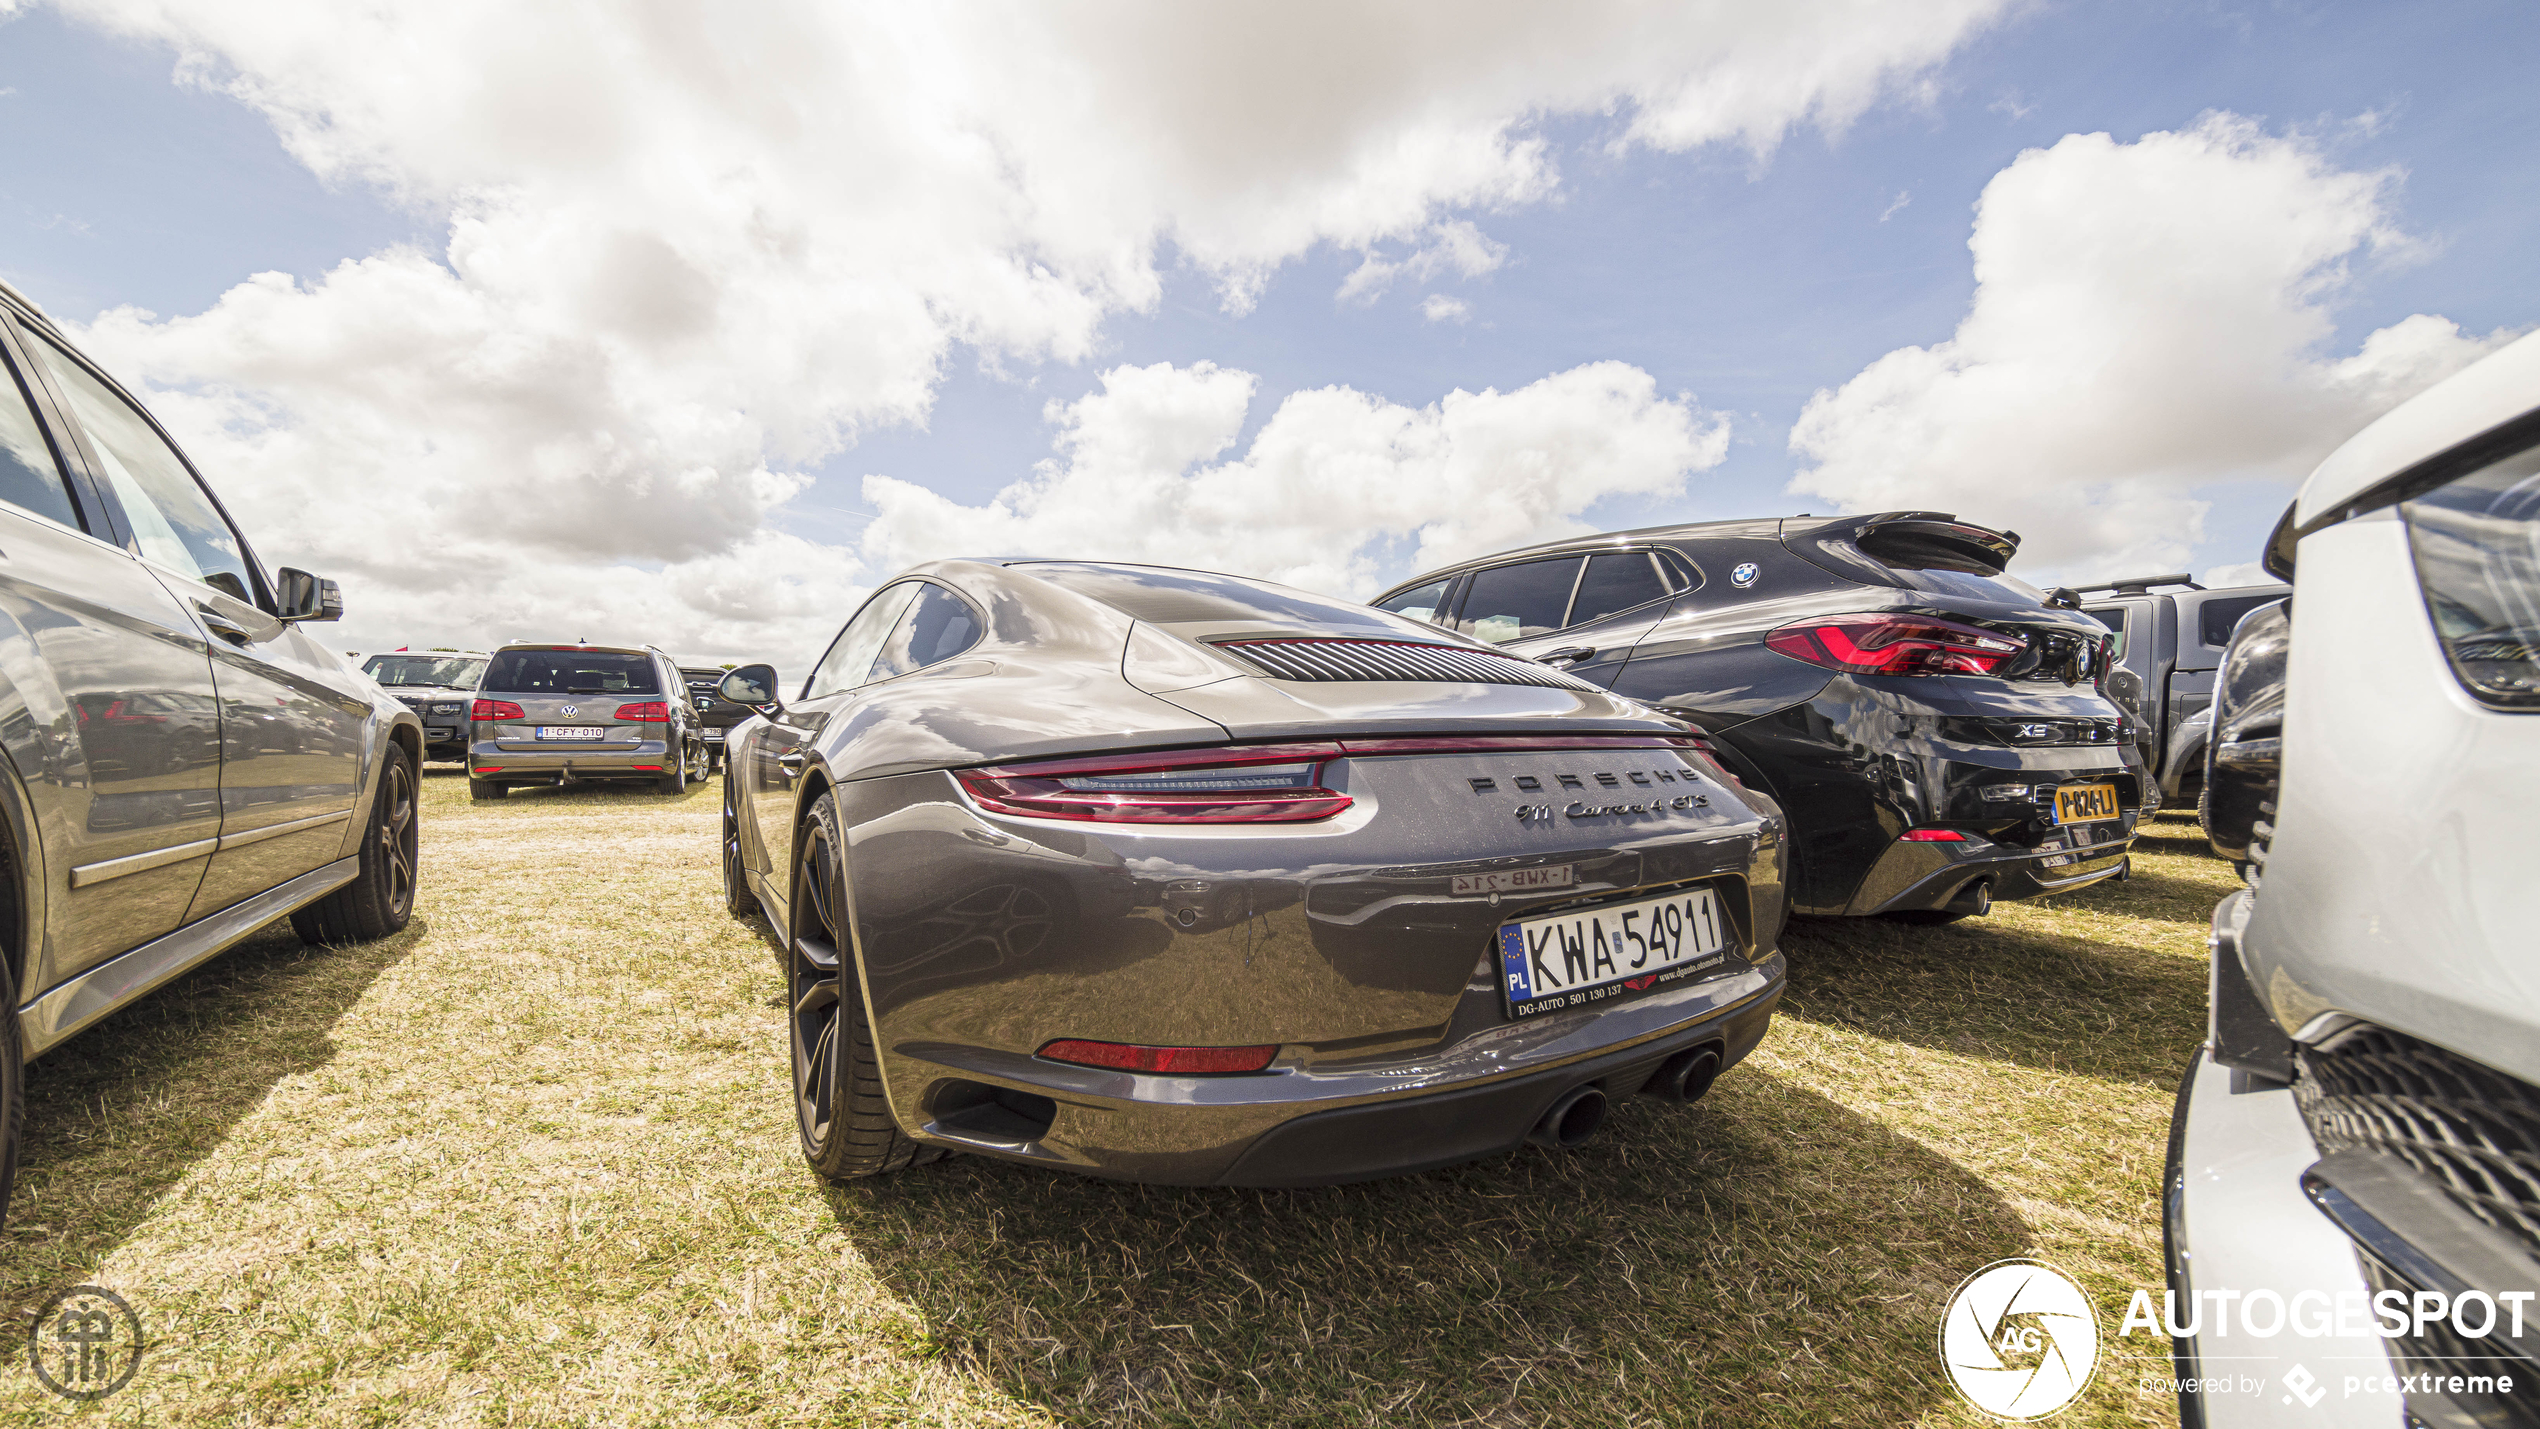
[
  {"x": 571, "y": 672},
  {"x": 1164, "y": 596}
]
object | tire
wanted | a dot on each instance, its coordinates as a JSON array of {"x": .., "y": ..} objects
[
  {"x": 839, "y": 1110},
  {"x": 481, "y": 790},
  {"x": 381, "y": 896},
  {"x": 738, "y": 900},
  {"x": 674, "y": 780},
  {"x": 12, "y": 1092}
]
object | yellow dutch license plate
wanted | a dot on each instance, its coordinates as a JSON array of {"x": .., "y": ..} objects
[{"x": 2086, "y": 804}]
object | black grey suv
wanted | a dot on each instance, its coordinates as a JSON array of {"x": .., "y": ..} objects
[
  {"x": 2171, "y": 633},
  {"x": 437, "y": 685},
  {"x": 575, "y": 714},
  {"x": 180, "y": 763}
]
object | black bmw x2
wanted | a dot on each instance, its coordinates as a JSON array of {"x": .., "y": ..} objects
[{"x": 1936, "y": 730}]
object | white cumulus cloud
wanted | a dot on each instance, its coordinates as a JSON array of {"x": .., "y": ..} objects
[
  {"x": 2149, "y": 318},
  {"x": 695, "y": 249},
  {"x": 1331, "y": 476}
]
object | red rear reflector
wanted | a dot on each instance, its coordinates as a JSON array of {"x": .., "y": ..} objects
[
  {"x": 495, "y": 709},
  {"x": 1894, "y": 644},
  {"x": 487, "y": 769},
  {"x": 1933, "y": 836},
  {"x": 1163, "y": 1061},
  {"x": 648, "y": 710},
  {"x": 653, "y": 767}
]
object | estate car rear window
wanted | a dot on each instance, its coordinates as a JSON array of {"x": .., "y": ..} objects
[{"x": 571, "y": 672}]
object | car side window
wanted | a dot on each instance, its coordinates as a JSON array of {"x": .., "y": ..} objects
[
  {"x": 849, "y": 662},
  {"x": 172, "y": 521},
  {"x": 1421, "y": 604},
  {"x": 1508, "y": 603},
  {"x": 30, "y": 479},
  {"x": 1617, "y": 581},
  {"x": 938, "y": 626}
]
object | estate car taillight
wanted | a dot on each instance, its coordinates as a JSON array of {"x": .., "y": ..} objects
[
  {"x": 1894, "y": 644},
  {"x": 2477, "y": 546},
  {"x": 649, "y": 710},
  {"x": 1252, "y": 784},
  {"x": 495, "y": 709},
  {"x": 1163, "y": 1061}
]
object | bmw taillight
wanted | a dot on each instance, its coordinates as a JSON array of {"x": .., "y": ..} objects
[
  {"x": 1894, "y": 644},
  {"x": 2477, "y": 545},
  {"x": 648, "y": 711},
  {"x": 495, "y": 709},
  {"x": 1162, "y": 1061},
  {"x": 1252, "y": 784}
]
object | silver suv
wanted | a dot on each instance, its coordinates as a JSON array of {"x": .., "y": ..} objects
[
  {"x": 180, "y": 763},
  {"x": 572, "y": 714}
]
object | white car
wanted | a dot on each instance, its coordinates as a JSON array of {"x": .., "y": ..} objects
[{"x": 2355, "y": 1159}]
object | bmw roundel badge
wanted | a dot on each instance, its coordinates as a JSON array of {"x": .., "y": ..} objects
[{"x": 1744, "y": 575}]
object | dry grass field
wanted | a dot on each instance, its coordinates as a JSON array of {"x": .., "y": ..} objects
[{"x": 532, "y": 1161}]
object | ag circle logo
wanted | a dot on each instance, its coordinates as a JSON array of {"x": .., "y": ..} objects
[
  {"x": 1745, "y": 574},
  {"x": 2019, "y": 1339},
  {"x": 85, "y": 1343}
]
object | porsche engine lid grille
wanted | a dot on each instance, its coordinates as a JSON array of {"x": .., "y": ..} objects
[
  {"x": 1394, "y": 660},
  {"x": 2472, "y": 1130}
]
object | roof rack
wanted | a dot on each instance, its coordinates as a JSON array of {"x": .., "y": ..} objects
[{"x": 2142, "y": 585}]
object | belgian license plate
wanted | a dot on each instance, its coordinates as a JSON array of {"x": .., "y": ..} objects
[
  {"x": 2085, "y": 803},
  {"x": 571, "y": 731},
  {"x": 714, "y": 736},
  {"x": 1579, "y": 959}
]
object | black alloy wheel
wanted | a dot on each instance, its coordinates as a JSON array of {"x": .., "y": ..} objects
[
  {"x": 839, "y": 1108},
  {"x": 12, "y": 1086},
  {"x": 381, "y": 896}
]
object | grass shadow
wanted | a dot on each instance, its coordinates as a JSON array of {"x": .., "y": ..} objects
[
  {"x": 1763, "y": 1257},
  {"x": 116, "y": 1115}
]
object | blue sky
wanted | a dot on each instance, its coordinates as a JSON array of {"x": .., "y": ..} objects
[{"x": 1750, "y": 283}]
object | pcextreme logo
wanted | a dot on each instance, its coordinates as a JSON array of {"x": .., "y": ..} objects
[{"x": 2019, "y": 1339}]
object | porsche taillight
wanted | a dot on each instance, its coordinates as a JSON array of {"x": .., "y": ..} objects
[
  {"x": 1894, "y": 644},
  {"x": 1245, "y": 784},
  {"x": 495, "y": 709}
]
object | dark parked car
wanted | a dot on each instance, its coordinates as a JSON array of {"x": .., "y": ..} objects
[
  {"x": 2237, "y": 802},
  {"x": 715, "y": 714},
  {"x": 184, "y": 763},
  {"x": 2171, "y": 641},
  {"x": 1173, "y": 876},
  {"x": 582, "y": 713},
  {"x": 437, "y": 685},
  {"x": 1935, "y": 729}
]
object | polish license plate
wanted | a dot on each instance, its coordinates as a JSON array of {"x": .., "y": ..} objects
[
  {"x": 2085, "y": 803},
  {"x": 571, "y": 731},
  {"x": 1580, "y": 959},
  {"x": 1514, "y": 880}
]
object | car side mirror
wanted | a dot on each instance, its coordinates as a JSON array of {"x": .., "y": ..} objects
[
  {"x": 753, "y": 685},
  {"x": 302, "y": 596}
]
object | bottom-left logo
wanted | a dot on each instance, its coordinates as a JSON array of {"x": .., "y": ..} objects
[{"x": 85, "y": 1343}]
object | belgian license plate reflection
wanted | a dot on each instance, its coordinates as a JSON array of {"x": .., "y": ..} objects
[{"x": 1584, "y": 958}]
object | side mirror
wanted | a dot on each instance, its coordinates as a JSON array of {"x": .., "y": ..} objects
[
  {"x": 302, "y": 596},
  {"x": 753, "y": 685}
]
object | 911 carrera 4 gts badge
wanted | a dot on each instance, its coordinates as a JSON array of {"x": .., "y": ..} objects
[{"x": 1745, "y": 574}]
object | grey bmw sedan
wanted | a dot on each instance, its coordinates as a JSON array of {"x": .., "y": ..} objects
[{"x": 1180, "y": 877}]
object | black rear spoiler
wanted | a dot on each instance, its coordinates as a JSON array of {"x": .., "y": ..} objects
[{"x": 1906, "y": 533}]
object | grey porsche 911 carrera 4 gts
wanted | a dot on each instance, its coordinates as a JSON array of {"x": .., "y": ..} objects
[{"x": 1179, "y": 877}]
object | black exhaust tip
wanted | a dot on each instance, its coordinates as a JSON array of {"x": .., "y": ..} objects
[
  {"x": 1685, "y": 1076},
  {"x": 1571, "y": 1120}
]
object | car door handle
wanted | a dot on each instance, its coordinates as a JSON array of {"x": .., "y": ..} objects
[
  {"x": 222, "y": 626},
  {"x": 1568, "y": 654},
  {"x": 791, "y": 763}
]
